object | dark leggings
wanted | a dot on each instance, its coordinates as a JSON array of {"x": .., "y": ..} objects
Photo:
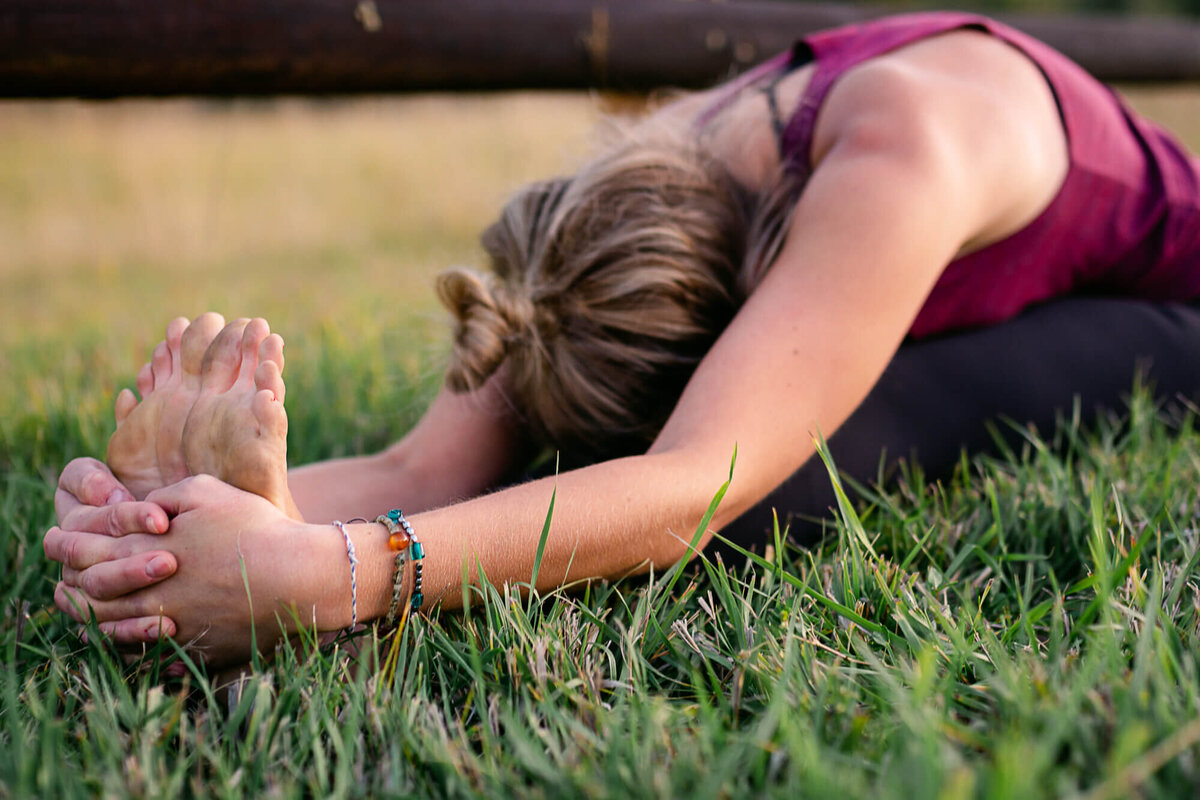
[{"x": 938, "y": 396}]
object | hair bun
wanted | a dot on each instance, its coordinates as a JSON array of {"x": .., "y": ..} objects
[{"x": 488, "y": 320}]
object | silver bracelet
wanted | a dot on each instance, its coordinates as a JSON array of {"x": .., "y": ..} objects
[{"x": 353, "y": 573}]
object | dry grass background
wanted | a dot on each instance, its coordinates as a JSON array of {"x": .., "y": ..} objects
[{"x": 116, "y": 216}]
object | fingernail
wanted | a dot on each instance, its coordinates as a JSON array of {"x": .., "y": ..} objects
[
  {"x": 117, "y": 496},
  {"x": 158, "y": 567},
  {"x": 152, "y": 524}
]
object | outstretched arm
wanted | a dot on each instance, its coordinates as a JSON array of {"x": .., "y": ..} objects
[
  {"x": 888, "y": 206},
  {"x": 462, "y": 446}
]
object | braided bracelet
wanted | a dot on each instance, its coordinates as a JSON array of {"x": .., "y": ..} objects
[
  {"x": 353, "y": 573},
  {"x": 416, "y": 551},
  {"x": 397, "y": 571}
]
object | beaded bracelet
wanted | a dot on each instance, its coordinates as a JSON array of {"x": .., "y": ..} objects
[
  {"x": 397, "y": 571},
  {"x": 353, "y": 573},
  {"x": 416, "y": 552}
]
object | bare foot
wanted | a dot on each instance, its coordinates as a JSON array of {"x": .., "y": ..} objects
[
  {"x": 145, "y": 452},
  {"x": 237, "y": 427}
]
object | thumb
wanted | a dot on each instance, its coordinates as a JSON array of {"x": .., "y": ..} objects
[
  {"x": 188, "y": 494},
  {"x": 92, "y": 483}
]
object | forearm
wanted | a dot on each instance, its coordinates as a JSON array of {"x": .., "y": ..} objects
[
  {"x": 463, "y": 446},
  {"x": 366, "y": 486},
  {"x": 610, "y": 520},
  {"x": 343, "y": 488}
]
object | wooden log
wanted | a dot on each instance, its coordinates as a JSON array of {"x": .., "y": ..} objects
[{"x": 86, "y": 48}]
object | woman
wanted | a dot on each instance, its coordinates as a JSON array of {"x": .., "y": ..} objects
[{"x": 738, "y": 271}]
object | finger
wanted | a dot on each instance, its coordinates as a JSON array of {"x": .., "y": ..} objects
[
  {"x": 71, "y": 602},
  {"x": 186, "y": 495},
  {"x": 131, "y": 653},
  {"x": 89, "y": 482},
  {"x": 145, "y": 380},
  {"x": 80, "y": 549},
  {"x": 117, "y": 520},
  {"x": 139, "y": 630},
  {"x": 126, "y": 403},
  {"x": 79, "y": 607},
  {"x": 109, "y": 580},
  {"x": 175, "y": 329},
  {"x": 160, "y": 363}
]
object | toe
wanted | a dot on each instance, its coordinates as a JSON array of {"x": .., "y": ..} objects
[
  {"x": 196, "y": 339},
  {"x": 160, "y": 364},
  {"x": 126, "y": 402},
  {"x": 271, "y": 349},
  {"x": 219, "y": 367},
  {"x": 175, "y": 329},
  {"x": 256, "y": 331},
  {"x": 145, "y": 380},
  {"x": 272, "y": 419},
  {"x": 267, "y": 377}
]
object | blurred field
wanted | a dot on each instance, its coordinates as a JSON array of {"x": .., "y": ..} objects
[
  {"x": 115, "y": 217},
  {"x": 1175, "y": 106}
]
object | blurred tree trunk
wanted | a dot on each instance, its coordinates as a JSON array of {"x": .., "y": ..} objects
[{"x": 220, "y": 47}]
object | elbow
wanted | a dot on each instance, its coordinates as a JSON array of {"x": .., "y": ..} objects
[
  {"x": 395, "y": 457},
  {"x": 709, "y": 493}
]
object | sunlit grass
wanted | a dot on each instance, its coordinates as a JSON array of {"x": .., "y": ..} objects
[{"x": 1029, "y": 629}]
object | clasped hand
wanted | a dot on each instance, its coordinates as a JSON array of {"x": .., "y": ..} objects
[
  {"x": 195, "y": 490},
  {"x": 115, "y": 561}
]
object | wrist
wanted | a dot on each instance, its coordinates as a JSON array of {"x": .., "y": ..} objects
[{"x": 328, "y": 590}]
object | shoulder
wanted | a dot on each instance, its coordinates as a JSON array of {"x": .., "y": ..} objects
[
  {"x": 964, "y": 103},
  {"x": 964, "y": 81}
]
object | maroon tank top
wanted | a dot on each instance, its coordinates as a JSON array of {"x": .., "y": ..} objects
[{"x": 1126, "y": 220}]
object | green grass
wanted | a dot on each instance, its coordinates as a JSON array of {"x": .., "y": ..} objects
[{"x": 1027, "y": 629}]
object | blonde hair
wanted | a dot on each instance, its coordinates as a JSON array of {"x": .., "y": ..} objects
[{"x": 607, "y": 288}]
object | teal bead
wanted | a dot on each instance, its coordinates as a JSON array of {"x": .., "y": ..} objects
[
  {"x": 418, "y": 551},
  {"x": 417, "y": 599}
]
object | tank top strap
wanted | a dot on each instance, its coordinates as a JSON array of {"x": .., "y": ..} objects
[{"x": 836, "y": 51}]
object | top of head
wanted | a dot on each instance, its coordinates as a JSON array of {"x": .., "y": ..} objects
[{"x": 608, "y": 288}]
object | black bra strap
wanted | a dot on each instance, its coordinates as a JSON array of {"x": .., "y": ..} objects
[
  {"x": 773, "y": 105},
  {"x": 777, "y": 124},
  {"x": 801, "y": 55}
]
